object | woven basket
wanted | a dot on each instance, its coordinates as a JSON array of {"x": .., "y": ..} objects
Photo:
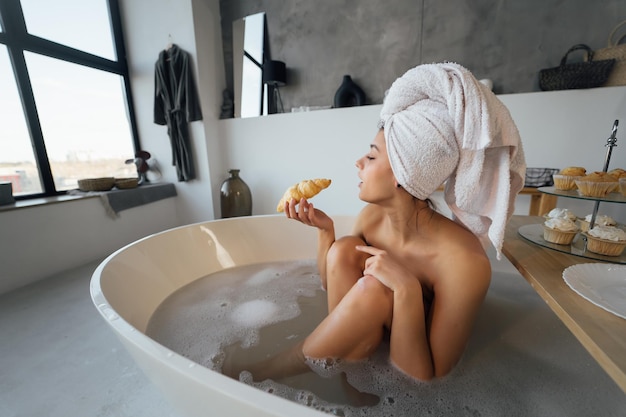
[
  {"x": 126, "y": 183},
  {"x": 96, "y": 184},
  {"x": 617, "y": 51},
  {"x": 539, "y": 177},
  {"x": 589, "y": 74}
]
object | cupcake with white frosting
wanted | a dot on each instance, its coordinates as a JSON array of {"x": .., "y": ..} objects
[
  {"x": 606, "y": 240},
  {"x": 559, "y": 231},
  {"x": 561, "y": 213},
  {"x": 601, "y": 220}
]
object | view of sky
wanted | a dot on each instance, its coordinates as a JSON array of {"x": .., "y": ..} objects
[{"x": 80, "y": 109}]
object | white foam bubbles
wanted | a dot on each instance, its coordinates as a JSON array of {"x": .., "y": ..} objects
[
  {"x": 231, "y": 306},
  {"x": 255, "y": 313},
  {"x": 262, "y": 309}
]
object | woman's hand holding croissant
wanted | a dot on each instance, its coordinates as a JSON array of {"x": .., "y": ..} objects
[{"x": 304, "y": 212}]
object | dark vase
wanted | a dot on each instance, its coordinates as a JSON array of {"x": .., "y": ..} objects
[
  {"x": 349, "y": 94},
  {"x": 235, "y": 196}
]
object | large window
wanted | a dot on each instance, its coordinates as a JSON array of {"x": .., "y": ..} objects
[{"x": 65, "y": 106}]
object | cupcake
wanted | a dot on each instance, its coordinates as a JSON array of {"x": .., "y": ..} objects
[
  {"x": 601, "y": 220},
  {"x": 596, "y": 184},
  {"x": 559, "y": 231},
  {"x": 618, "y": 173},
  {"x": 606, "y": 240},
  {"x": 564, "y": 180},
  {"x": 560, "y": 213},
  {"x": 573, "y": 171}
]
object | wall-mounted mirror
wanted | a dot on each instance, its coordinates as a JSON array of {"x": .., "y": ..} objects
[{"x": 250, "y": 94}]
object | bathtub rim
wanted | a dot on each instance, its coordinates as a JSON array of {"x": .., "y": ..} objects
[{"x": 134, "y": 340}]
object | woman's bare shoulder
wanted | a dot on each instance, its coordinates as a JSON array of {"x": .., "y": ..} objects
[
  {"x": 462, "y": 252},
  {"x": 369, "y": 216}
]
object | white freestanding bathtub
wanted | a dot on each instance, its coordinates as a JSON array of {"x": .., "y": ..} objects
[
  {"x": 129, "y": 285},
  {"x": 521, "y": 360}
]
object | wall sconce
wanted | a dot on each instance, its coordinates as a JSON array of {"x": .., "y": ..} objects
[{"x": 275, "y": 76}]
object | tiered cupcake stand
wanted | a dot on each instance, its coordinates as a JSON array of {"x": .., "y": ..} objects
[{"x": 534, "y": 232}]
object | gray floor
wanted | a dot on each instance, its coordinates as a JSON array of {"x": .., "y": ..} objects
[{"x": 59, "y": 358}]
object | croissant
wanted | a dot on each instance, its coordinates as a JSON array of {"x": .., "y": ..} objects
[{"x": 303, "y": 189}]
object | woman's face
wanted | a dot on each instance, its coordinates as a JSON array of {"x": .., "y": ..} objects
[{"x": 377, "y": 179}]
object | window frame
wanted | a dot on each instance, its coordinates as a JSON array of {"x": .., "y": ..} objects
[{"x": 17, "y": 40}]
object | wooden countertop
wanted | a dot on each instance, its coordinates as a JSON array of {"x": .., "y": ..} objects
[{"x": 603, "y": 334}]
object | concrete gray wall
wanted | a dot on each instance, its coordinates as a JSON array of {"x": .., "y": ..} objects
[{"x": 375, "y": 41}]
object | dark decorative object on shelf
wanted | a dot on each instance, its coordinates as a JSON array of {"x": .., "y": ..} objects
[
  {"x": 275, "y": 76},
  {"x": 235, "y": 196},
  {"x": 349, "y": 94},
  {"x": 140, "y": 161}
]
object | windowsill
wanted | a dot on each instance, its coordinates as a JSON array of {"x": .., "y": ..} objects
[
  {"x": 141, "y": 195},
  {"x": 34, "y": 202}
]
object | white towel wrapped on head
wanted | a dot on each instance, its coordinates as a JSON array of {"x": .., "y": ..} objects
[{"x": 442, "y": 125}]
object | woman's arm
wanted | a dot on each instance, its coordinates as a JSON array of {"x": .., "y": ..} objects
[
  {"x": 409, "y": 345},
  {"x": 426, "y": 347},
  {"x": 325, "y": 239},
  {"x": 430, "y": 347},
  {"x": 455, "y": 307},
  {"x": 409, "y": 348},
  {"x": 304, "y": 212}
]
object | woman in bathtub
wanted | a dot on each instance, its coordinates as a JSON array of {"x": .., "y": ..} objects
[{"x": 408, "y": 274}]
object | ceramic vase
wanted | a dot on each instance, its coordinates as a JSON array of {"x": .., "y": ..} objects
[
  {"x": 235, "y": 196},
  {"x": 349, "y": 94}
]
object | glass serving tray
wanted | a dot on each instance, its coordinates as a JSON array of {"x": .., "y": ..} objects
[
  {"x": 610, "y": 198},
  {"x": 534, "y": 233}
]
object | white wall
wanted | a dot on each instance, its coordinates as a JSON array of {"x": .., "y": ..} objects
[
  {"x": 40, "y": 241},
  {"x": 193, "y": 25},
  {"x": 274, "y": 152},
  {"x": 558, "y": 129}
]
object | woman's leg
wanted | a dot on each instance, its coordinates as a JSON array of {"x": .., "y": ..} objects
[
  {"x": 352, "y": 331},
  {"x": 285, "y": 364},
  {"x": 355, "y": 328},
  {"x": 344, "y": 267}
]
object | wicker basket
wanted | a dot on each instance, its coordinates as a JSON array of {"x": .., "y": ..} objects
[
  {"x": 615, "y": 49},
  {"x": 96, "y": 184},
  {"x": 589, "y": 74},
  {"x": 539, "y": 177},
  {"x": 126, "y": 183}
]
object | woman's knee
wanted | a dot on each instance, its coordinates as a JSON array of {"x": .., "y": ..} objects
[
  {"x": 344, "y": 266},
  {"x": 372, "y": 291},
  {"x": 343, "y": 252},
  {"x": 372, "y": 301}
]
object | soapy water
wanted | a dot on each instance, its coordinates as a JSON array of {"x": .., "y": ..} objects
[{"x": 250, "y": 313}]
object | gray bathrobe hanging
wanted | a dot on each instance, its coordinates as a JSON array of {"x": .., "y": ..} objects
[{"x": 175, "y": 104}]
